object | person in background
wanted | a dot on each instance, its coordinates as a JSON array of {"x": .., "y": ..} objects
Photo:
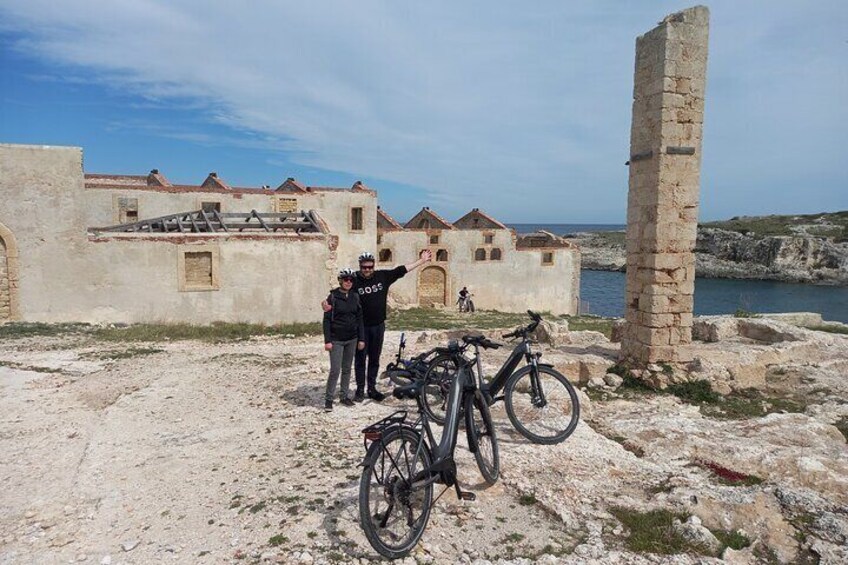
[
  {"x": 344, "y": 333},
  {"x": 373, "y": 289}
]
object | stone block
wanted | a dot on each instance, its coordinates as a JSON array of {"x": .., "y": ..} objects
[
  {"x": 652, "y": 336},
  {"x": 654, "y": 320},
  {"x": 715, "y": 328},
  {"x": 682, "y": 303},
  {"x": 653, "y": 303}
]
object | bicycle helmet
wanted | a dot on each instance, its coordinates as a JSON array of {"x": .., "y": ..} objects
[
  {"x": 366, "y": 256},
  {"x": 347, "y": 273}
]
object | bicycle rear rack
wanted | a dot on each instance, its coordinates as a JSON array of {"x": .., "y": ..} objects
[{"x": 374, "y": 432}]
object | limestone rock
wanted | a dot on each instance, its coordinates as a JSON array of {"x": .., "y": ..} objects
[
  {"x": 613, "y": 380},
  {"x": 553, "y": 333},
  {"x": 714, "y": 328}
]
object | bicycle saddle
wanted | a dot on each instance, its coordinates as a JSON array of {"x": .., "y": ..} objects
[
  {"x": 481, "y": 341},
  {"x": 408, "y": 391}
]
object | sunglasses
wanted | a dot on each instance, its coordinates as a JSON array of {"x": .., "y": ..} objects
[
  {"x": 346, "y": 279},
  {"x": 366, "y": 267}
]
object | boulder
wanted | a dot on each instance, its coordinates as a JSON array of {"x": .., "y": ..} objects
[
  {"x": 554, "y": 333},
  {"x": 714, "y": 328}
]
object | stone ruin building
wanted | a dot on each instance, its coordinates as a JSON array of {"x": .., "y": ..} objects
[
  {"x": 516, "y": 272},
  {"x": 662, "y": 203},
  {"x": 79, "y": 247}
]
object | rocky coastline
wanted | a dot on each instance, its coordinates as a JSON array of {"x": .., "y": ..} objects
[{"x": 721, "y": 253}]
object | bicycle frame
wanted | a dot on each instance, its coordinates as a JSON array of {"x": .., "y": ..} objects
[
  {"x": 442, "y": 467},
  {"x": 498, "y": 382}
]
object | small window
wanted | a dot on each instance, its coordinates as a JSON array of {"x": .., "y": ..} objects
[
  {"x": 385, "y": 256},
  {"x": 434, "y": 240},
  {"x": 547, "y": 258},
  {"x": 356, "y": 223},
  {"x": 198, "y": 269},
  {"x": 442, "y": 255},
  {"x": 495, "y": 254},
  {"x": 127, "y": 210},
  {"x": 488, "y": 239},
  {"x": 379, "y": 238},
  {"x": 480, "y": 254},
  {"x": 209, "y": 207}
]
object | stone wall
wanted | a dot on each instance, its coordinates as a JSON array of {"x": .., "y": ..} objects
[
  {"x": 514, "y": 283},
  {"x": 103, "y": 205},
  {"x": 662, "y": 204},
  {"x": 5, "y": 295},
  {"x": 65, "y": 274}
]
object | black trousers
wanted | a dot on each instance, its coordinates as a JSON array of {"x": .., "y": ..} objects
[{"x": 371, "y": 354}]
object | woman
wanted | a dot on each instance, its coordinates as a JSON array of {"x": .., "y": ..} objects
[{"x": 343, "y": 334}]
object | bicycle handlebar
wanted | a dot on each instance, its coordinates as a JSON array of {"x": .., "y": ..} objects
[{"x": 522, "y": 332}]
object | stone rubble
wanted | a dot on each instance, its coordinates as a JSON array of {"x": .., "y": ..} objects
[{"x": 221, "y": 452}]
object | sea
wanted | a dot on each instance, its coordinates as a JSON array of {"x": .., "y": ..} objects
[{"x": 602, "y": 292}]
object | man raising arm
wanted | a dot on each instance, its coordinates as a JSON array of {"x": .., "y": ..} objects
[{"x": 373, "y": 288}]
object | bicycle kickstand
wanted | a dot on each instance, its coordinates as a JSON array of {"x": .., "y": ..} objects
[{"x": 464, "y": 494}]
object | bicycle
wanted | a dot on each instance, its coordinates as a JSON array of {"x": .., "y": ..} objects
[
  {"x": 540, "y": 402},
  {"x": 405, "y": 371},
  {"x": 465, "y": 303},
  {"x": 403, "y": 462}
]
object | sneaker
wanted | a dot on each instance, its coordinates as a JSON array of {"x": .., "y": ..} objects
[
  {"x": 376, "y": 396},
  {"x": 347, "y": 402},
  {"x": 358, "y": 397},
  {"x": 328, "y": 406}
]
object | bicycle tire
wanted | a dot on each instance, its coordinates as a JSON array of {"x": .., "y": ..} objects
[
  {"x": 400, "y": 377},
  {"x": 548, "y": 424},
  {"x": 437, "y": 380},
  {"x": 471, "y": 306},
  {"x": 376, "y": 487},
  {"x": 482, "y": 439}
]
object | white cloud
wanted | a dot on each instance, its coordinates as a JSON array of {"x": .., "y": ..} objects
[{"x": 522, "y": 109}]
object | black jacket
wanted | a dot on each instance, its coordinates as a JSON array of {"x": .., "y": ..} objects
[{"x": 344, "y": 321}]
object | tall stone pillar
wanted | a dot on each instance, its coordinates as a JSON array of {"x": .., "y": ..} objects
[{"x": 662, "y": 202}]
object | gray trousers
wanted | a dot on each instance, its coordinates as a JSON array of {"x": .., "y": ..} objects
[{"x": 341, "y": 360}]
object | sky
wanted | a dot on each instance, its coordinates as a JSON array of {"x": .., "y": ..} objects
[{"x": 519, "y": 108}]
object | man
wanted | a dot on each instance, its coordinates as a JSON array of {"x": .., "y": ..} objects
[
  {"x": 463, "y": 294},
  {"x": 373, "y": 288}
]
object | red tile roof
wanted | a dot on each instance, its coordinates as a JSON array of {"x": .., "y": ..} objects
[{"x": 428, "y": 215}]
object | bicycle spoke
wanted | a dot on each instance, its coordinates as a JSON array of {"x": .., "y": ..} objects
[{"x": 543, "y": 406}]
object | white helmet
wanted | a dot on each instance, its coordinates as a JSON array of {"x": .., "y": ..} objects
[
  {"x": 366, "y": 256},
  {"x": 347, "y": 273}
]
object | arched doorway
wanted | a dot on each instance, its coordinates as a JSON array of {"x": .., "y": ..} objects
[
  {"x": 8, "y": 275},
  {"x": 432, "y": 287}
]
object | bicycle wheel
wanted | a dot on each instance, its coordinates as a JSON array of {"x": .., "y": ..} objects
[
  {"x": 392, "y": 515},
  {"x": 400, "y": 377},
  {"x": 542, "y": 404},
  {"x": 437, "y": 383},
  {"x": 482, "y": 440},
  {"x": 470, "y": 306}
]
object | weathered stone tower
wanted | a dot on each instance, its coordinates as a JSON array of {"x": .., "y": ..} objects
[{"x": 662, "y": 202}]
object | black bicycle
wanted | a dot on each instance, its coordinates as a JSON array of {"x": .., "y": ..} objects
[
  {"x": 403, "y": 462},
  {"x": 405, "y": 371},
  {"x": 540, "y": 402}
]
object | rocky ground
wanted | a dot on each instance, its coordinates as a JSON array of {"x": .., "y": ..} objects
[
  {"x": 719, "y": 253},
  {"x": 182, "y": 451}
]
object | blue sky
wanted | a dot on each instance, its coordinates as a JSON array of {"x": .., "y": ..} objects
[{"x": 522, "y": 109}]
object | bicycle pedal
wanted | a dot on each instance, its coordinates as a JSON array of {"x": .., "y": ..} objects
[{"x": 465, "y": 495}]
